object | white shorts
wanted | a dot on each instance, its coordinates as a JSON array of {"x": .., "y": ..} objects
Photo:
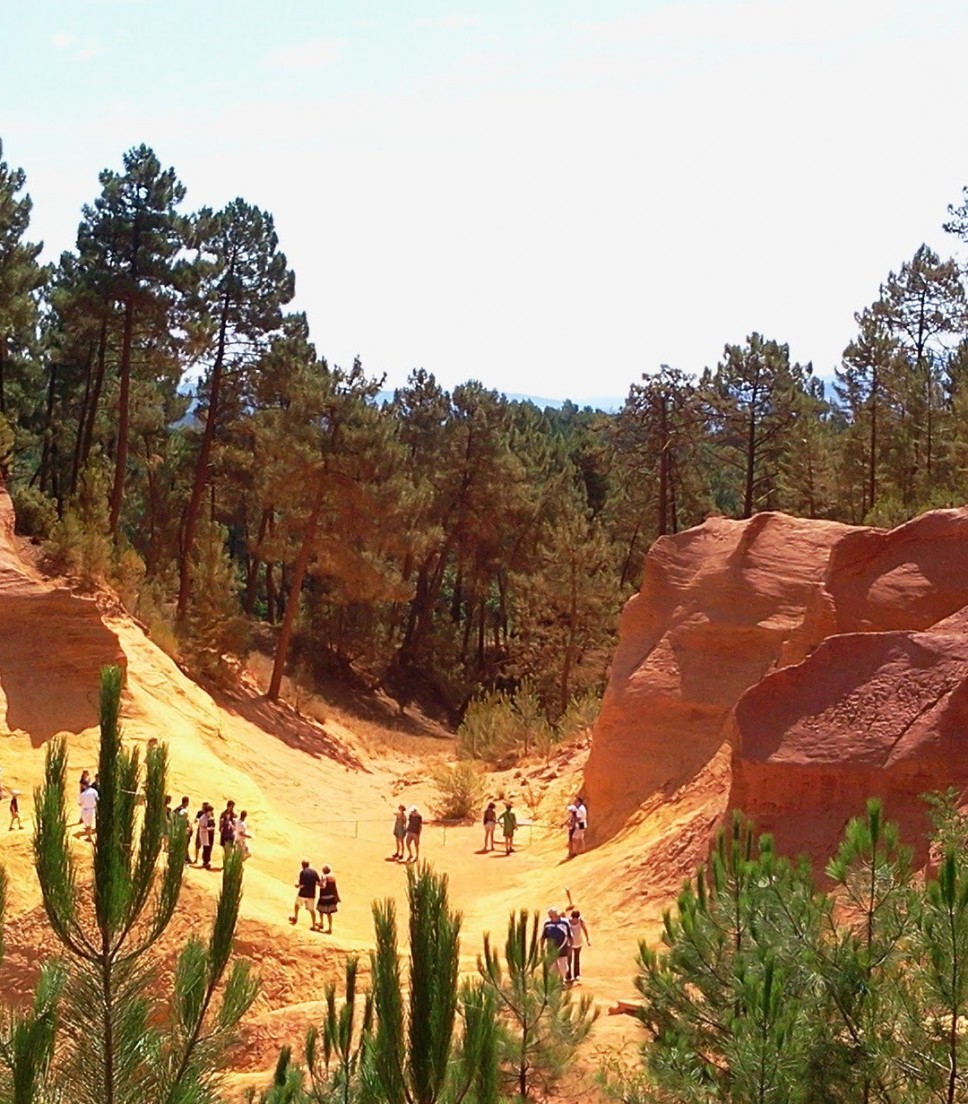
[{"x": 87, "y": 818}]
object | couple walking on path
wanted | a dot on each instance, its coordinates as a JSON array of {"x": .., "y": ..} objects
[
  {"x": 307, "y": 885},
  {"x": 509, "y": 825},
  {"x": 407, "y": 826}
]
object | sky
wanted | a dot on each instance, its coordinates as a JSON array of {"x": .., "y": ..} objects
[{"x": 550, "y": 196}]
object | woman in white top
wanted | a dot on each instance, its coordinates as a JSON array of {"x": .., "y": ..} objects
[{"x": 579, "y": 937}]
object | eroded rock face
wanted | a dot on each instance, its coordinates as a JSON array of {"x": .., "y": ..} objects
[
  {"x": 867, "y": 714},
  {"x": 724, "y": 606},
  {"x": 52, "y": 646}
]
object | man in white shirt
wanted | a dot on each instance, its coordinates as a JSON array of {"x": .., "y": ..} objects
[{"x": 88, "y": 803}]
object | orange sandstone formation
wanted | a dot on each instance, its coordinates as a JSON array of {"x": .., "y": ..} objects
[{"x": 723, "y": 607}]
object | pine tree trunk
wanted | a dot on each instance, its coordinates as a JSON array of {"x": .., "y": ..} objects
[
  {"x": 299, "y": 573},
  {"x": 95, "y": 397},
  {"x": 124, "y": 415},
  {"x": 201, "y": 471}
]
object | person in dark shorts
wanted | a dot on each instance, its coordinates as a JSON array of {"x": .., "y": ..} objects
[
  {"x": 556, "y": 935},
  {"x": 328, "y": 899},
  {"x": 306, "y": 894},
  {"x": 414, "y": 827},
  {"x": 15, "y": 810}
]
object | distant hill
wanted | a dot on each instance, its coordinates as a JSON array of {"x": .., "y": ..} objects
[{"x": 608, "y": 404}]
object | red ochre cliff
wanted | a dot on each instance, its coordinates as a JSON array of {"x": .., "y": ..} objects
[{"x": 822, "y": 660}]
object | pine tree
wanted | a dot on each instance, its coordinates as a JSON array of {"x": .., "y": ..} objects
[
  {"x": 20, "y": 278},
  {"x": 416, "y": 1055},
  {"x": 752, "y": 401},
  {"x": 27, "y": 1039},
  {"x": 243, "y": 284},
  {"x": 130, "y": 240},
  {"x": 112, "y": 1051},
  {"x": 544, "y": 1025}
]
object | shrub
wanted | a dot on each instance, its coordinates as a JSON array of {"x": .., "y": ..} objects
[
  {"x": 498, "y": 725},
  {"x": 460, "y": 791},
  {"x": 35, "y": 513},
  {"x": 580, "y": 715}
]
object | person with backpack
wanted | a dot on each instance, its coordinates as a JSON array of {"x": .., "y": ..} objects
[
  {"x": 206, "y": 834},
  {"x": 414, "y": 827},
  {"x": 555, "y": 936},
  {"x": 490, "y": 824}
]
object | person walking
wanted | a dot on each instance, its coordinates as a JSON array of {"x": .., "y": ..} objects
[
  {"x": 306, "y": 886},
  {"x": 509, "y": 825},
  {"x": 15, "y": 810},
  {"x": 226, "y": 826},
  {"x": 399, "y": 832},
  {"x": 88, "y": 802},
  {"x": 490, "y": 824},
  {"x": 555, "y": 936},
  {"x": 578, "y": 937},
  {"x": 414, "y": 828},
  {"x": 328, "y": 899},
  {"x": 571, "y": 823}
]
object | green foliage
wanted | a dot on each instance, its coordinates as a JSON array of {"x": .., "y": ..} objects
[
  {"x": 80, "y": 543},
  {"x": 580, "y": 715},
  {"x": 36, "y": 514},
  {"x": 214, "y": 627},
  {"x": 543, "y": 1024},
  {"x": 768, "y": 990},
  {"x": 460, "y": 790},
  {"x": 418, "y": 1056},
  {"x": 116, "y": 1046}
]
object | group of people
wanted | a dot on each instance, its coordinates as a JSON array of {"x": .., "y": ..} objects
[
  {"x": 308, "y": 884},
  {"x": 576, "y": 822},
  {"x": 407, "y": 826},
  {"x": 565, "y": 933},
  {"x": 233, "y": 830},
  {"x": 509, "y": 825}
]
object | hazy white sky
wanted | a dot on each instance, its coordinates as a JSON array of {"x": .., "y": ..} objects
[{"x": 546, "y": 195}]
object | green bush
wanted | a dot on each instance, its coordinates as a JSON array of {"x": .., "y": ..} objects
[
  {"x": 35, "y": 513},
  {"x": 499, "y": 726},
  {"x": 460, "y": 791}
]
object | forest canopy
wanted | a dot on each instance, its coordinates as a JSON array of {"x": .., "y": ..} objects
[{"x": 168, "y": 427}]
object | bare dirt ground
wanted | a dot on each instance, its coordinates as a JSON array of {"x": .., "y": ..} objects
[{"x": 322, "y": 783}]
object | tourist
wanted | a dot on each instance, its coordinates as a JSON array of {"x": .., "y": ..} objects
[
  {"x": 414, "y": 826},
  {"x": 399, "y": 831},
  {"x": 571, "y": 823},
  {"x": 15, "y": 809},
  {"x": 509, "y": 825},
  {"x": 88, "y": 803},
  {"x": 179, "y": 821},
  {"x": 328, "y": 899},
  {"x": 490, "y": 823},
  {"x": 243, "y": 833},
  {"x": 555, "y": 936},
  {"x": 166, "y": 827},
  {"x": 198, "y": 830},
  {"x": 206, "y": 832},
  {"x": 306, "y": 895},
  {"x": 577, "y": 938},
  {"x": 226, "y": 826}
]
